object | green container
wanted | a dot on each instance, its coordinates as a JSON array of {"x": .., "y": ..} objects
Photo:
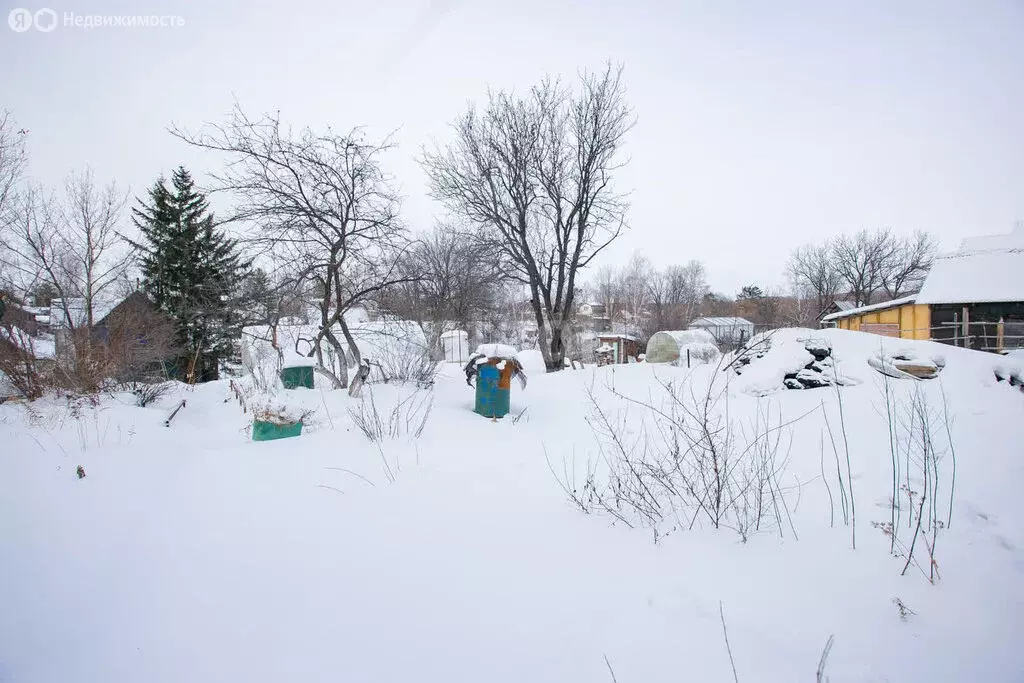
[
  {"x": 293, "y": 378},
  {"x": 268, "y": 431},
  {"x": 491, "y": 399}
]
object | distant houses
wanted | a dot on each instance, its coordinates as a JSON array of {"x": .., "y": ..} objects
[{"x": 973, "y": 298}]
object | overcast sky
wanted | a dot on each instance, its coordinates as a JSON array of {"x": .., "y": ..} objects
[{"x": 760, "y": 125}]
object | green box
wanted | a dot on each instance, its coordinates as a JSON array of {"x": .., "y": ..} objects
[
  {"x": 268, "y": 431},
  {"x": 293, "y": 378}
]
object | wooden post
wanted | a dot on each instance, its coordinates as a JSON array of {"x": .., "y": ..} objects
[
  {"x": 1000, "y": 335},
  {"x": 965, "y": 329},
  {"x": 687, "y": 357}
]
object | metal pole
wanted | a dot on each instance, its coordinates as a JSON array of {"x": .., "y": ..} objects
[{"x": 966, "y": 329}]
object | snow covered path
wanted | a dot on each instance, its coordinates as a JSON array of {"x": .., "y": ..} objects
[{"x": 191, "y": 553}]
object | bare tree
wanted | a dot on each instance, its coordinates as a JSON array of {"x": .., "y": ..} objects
[
  {"x": 676, "y": 295},
  {"x": 909, "y": 263},
  {"x": 812, "y": 270},
  {"x": 89, "y": 219},
  {"x": 606, "y": 289},
  {"x": 33, "y": 252},
  {"x": 534, "y": 174},
  {"x": 634, "y": 286},
  {"x": 320, "y": 205},
  {"x": 453, "y": 283},
  {"x": 68, "y": 244},
  {"x": 861, "y": 261},
  {"x": 13, "y": 159}
]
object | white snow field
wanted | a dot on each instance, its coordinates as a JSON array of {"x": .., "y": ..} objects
[{"x": 191, "y": 553}]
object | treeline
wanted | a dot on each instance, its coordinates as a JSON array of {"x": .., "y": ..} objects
[
  {"x": 528, "y": 189},
  {"x": 863, "y": 267},
  {"x": 528, "y": 179}
]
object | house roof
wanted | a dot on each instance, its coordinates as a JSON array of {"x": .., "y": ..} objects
[
  {"x": 844, "y": 305},
  {"x": 724, "y": 321},
  {"x": 75, "y": 307},
  {"x": 983, "y": 270},
  {"x": 872, "y": 307}
]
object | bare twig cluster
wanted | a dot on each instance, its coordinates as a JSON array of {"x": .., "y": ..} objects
[
  {"x": 407, "y": 418},
  {"x": 922, "y": 498},
  {"x": 695, "y": 466}
]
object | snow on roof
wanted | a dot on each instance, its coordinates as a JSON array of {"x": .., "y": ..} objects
[
  {"x": 617, "y": 335},
  {"x": 844, "y": 305},
  {"x": 725, "y": 321},
  {"x": 451, "y": 334},
  {"x": 872, "y": 307},
  {"x": 101, "y": 308},
  {"x": 1012, "y": 240},
  {"x": 972, "y": 275}
]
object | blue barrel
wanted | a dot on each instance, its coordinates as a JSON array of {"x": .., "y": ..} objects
[{"x": 491, "y": 398}]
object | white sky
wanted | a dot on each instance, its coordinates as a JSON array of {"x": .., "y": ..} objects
[{"x": 760, "y": 125}]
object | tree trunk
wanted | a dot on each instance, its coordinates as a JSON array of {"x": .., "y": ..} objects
[
  {"x": 342, "y": 381},
  {"x": 556, "y": 356},
  {"x": 356, "y": 356}
]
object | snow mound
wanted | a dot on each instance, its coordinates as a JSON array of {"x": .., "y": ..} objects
[
  {"x": 788, "y": 359},
  {"x": 783, "y": 359},
  {"x": 532, "y": 361}
]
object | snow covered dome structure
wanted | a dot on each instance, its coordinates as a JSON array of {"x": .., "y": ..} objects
[{"x": 671, "y": 346}]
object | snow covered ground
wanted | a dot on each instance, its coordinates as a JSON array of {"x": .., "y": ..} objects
[{"x": 191, "y": 553}]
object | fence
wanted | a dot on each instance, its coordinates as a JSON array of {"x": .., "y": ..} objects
[{"x": 996, "y": 336}]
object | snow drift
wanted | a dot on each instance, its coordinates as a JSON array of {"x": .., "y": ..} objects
[{"x": 192, "y": 553}]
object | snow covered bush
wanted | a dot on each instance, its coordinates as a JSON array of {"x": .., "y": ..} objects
[{"x": 276, "y": 410}]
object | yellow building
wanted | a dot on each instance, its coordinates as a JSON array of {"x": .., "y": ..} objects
[{"x": 903, "y": 318}]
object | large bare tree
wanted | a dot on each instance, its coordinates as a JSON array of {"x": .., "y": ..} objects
[
  {"x": 89, "y": 222},
  {"x": 534, "y": 174},
  {"x": 861, "y": 260},
  {"x": 910, "y": 260},
  {"x": 320, "y": 206}
]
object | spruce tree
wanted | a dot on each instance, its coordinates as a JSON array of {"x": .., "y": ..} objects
[{"x": 191, "y": 271}]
